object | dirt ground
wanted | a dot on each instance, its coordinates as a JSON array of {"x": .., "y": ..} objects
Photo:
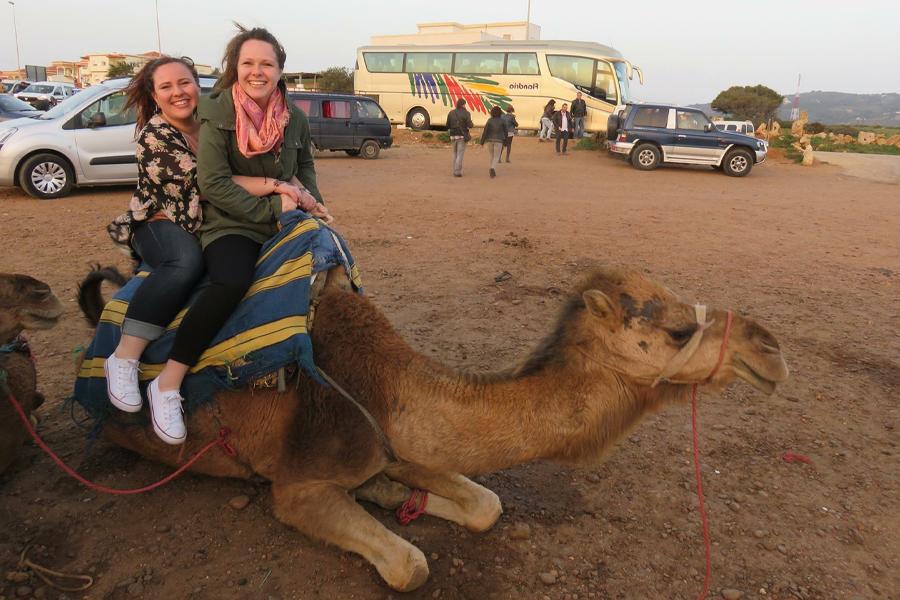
[{"x": 813, "y": 254}]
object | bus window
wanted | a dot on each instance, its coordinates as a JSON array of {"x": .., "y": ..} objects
[
  {"x": 522, "y": 63},
  {"x": 428, "y": 62},
  {"x": 605, "y": 83},
  {"x": 576, "y": 70},
  {"x": 384, "y": 62},
  {"x": 481, "y": 63},
  {"x": 336, "y": 109}
]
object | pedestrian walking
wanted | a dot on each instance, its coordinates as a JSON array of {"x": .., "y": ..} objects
[
  {"x": 511, "y": 124},
  {"x": 459, "y": 121},
  {"x": 493, "y": 136},
  {"x": 579, "y": 112},
  {"x": 563, "y": 123},
  {"x": 547, "y": 121}
]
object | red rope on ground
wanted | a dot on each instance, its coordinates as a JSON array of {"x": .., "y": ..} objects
[
  {"x": 413, "y": 508},
  {"x": 221, "y": 441},
  {"x": 707, "y": 545},
  {"x": 791, "y": 457}
]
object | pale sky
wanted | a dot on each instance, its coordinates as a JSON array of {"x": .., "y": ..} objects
[{"x": 689, "y": 50}]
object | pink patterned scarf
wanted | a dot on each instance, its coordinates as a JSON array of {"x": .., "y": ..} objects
[{"x": 259, "y": 131}]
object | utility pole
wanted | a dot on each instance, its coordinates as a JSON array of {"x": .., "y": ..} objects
[
  {"x": 795, "y": 108},
  {"x": 16, "y": 32},
  {"x": 528, "y": 22},
  {"x": 158, "y": 39}
]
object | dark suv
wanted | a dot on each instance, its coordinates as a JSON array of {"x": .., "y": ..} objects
[
  {"x": 354, "y": 124},
  {"x": 652, "y": 134}
]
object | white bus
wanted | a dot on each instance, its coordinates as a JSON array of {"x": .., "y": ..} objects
[{"x": 418, "y": 85}]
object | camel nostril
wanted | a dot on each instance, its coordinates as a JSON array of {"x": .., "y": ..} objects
[{"x": 770, "y": 348}]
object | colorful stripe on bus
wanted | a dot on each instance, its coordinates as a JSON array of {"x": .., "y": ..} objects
[{"x": 480, "y": 94}]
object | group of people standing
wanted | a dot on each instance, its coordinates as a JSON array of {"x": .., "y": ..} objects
[
  {"x": 564, "y": 122},
  {"x": 214, "y": 176},
  {"x": 500, "y": 129}
]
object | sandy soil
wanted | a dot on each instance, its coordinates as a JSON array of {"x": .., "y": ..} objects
[
  {"x": 881, "y": 168},
  {"x": 812, "y": 253}
]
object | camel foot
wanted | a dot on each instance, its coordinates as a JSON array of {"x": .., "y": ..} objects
[{"x": 405, "y": 570}]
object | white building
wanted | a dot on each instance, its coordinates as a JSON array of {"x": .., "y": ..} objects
[{"x": 439, "y": 34}]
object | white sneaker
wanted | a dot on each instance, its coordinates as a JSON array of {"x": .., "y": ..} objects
[
  {"x": 122, "y": 383},
  {"x": 166, "y": 413}
]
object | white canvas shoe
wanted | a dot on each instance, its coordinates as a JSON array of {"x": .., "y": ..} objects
[
  {"x": 122, "y": 383},
  {"x": 167, "y": 414}
]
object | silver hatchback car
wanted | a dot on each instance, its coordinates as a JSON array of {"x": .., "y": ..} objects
[{"x": 87, "y": 139}]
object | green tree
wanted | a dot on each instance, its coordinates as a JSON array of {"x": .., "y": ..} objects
[
  {"x": 754, "y": 102},
  {"x": 120, "y": 69},
  {"x": 335, "y": 79}
]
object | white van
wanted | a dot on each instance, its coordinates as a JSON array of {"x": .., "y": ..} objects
[
  {"x": 745, "y": 127},
  {"x": 44, "y": 95}
]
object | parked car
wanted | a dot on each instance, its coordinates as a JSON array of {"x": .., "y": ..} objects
[
  {"x": 44, "y": 95},
  {"x": 354, "y": 124},
  {"x": 653, "y": 134},
  {"x": 14, "y": 86},
  {"x": 13, "y": 108},
  {"x": 745, "y": 127},
  {"x": 87, "y": 139}
]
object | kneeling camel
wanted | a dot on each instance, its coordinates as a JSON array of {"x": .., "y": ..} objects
[{"x": 585, "y": 385}]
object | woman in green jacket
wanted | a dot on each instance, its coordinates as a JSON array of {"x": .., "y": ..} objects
[{"x": 254, "y": 162}]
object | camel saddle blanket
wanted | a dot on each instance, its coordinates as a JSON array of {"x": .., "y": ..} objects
[{"x": 268, "y": 330}]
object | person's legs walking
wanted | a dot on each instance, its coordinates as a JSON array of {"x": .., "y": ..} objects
[
  {"x": 579, "y": 127},
  {"x": 459, "y": 150},
  {"x": 565, "y": 141},
  {"x": 177, "y": 263},
  {"x": 509, "y": 141},
  {"x": 558, "y": 139}
]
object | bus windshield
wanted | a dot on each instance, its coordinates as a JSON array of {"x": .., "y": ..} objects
[{"x": 622, "y": 74}]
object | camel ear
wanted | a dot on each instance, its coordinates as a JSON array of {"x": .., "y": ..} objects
[{"x": 601, "y": 306}]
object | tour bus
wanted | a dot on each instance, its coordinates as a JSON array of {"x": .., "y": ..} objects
[{"x": 418, "y": 85}]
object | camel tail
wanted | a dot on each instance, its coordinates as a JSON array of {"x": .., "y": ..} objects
[{"x": 90, "y": 294}]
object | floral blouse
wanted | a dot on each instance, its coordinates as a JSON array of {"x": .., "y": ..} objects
[{"x": 167, "y": 182}]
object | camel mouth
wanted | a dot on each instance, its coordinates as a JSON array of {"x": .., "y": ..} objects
[
  {"x": 753, "y": 377},
  {"x": 42, "y": 320}
]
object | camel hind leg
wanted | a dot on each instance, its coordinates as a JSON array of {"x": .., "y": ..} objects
[
  {"x": 451, "y": 496},
  {"x": 325, "y": 511}
]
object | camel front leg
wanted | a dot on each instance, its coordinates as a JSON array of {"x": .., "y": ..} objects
[
  {"x": 326, "y": 512},
  {"x": 452, "y": 496}
]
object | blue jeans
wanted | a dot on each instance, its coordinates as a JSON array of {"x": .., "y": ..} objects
[
  {"x": 177, "y": 262},
  {"x": 579, "y": 127}
]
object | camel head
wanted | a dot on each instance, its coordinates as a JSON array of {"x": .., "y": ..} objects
[
  {"x": 640, "y": 329},
  {"x": 26, "y": 303}
]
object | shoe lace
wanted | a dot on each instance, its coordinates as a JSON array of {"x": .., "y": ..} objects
[
  {"x": 127, "y": 369},
  {"x": 172, "y": 407}
]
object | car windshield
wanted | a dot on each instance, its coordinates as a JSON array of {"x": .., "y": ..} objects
[
  {"x": 36, "y": 88},
  {"x": 84, "y": 97},
  {"x": 11, "y": 103},
  {"x": 624, "y": 89}
]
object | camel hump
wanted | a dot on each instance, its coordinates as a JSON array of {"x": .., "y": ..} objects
[{"x": 90, "y": 295}]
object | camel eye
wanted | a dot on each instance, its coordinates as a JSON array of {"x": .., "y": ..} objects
[{"x": 681, "y": 336}]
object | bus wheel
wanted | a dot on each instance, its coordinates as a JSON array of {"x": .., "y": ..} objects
[{"x": 418, "y": 119}]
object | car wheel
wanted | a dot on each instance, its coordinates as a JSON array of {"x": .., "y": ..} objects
[
  {"x": 352, "y": 152},
  {"x": 370, "y": 149},
  {"x": 645, "y": 157},
  {"x": 46, "y": 176},
  {"x": 737, "y": 163},
  {"x": 419, "y": 119}
]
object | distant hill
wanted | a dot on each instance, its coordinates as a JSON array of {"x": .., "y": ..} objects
[{"x": 835, "y": 108}]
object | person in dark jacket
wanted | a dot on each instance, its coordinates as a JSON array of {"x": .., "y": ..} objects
[
  {"x": 511, "y": 124},
  {"x": 459, "y": 121},
  {"x": 547, "y": 120},
  {"x": 563, "y": 123},
  {"x": 494, "y": 135},
  {"x": 579, "y": 112}
]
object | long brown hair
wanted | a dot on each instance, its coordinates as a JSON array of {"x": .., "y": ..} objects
[
  {"x": 233, "y": 51},
  {"x": 139, "y": 92}
]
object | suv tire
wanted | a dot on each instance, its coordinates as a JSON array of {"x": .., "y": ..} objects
[
  {"x": 45, "y": 176},
  {"x": 369, "y": 149},
  {"x": 419, "y": 119},
  {"x": 738, "y": 162},
  {"x": 613, "y": 124},
  {"x": 645, "y": 157}
]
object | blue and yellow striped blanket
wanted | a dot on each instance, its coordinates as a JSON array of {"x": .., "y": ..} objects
[{"x": 267, "y": 331}]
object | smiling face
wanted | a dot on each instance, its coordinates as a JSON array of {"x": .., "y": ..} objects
[
  {"x": 257, "y": 70},
  {"x": 175, "y": 92}
]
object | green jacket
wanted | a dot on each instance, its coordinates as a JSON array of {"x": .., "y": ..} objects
[{"x": 227, "y": 207}]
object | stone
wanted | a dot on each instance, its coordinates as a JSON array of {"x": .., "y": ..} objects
[
  {"x": 135, "y": 589},
  {"x": 239, "y": 502},
  {"x": 732, "y": 594},
  {"x": 17, "y": 576},
  {"x": 548, "y": 578},
  {"x": 866, "y": 137},
  {"x": 520, "y": 531},
  {"x": 798, "y": 125},
  {"x": 760, "y": 534},
  {"x": 23, "y": 590}
]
